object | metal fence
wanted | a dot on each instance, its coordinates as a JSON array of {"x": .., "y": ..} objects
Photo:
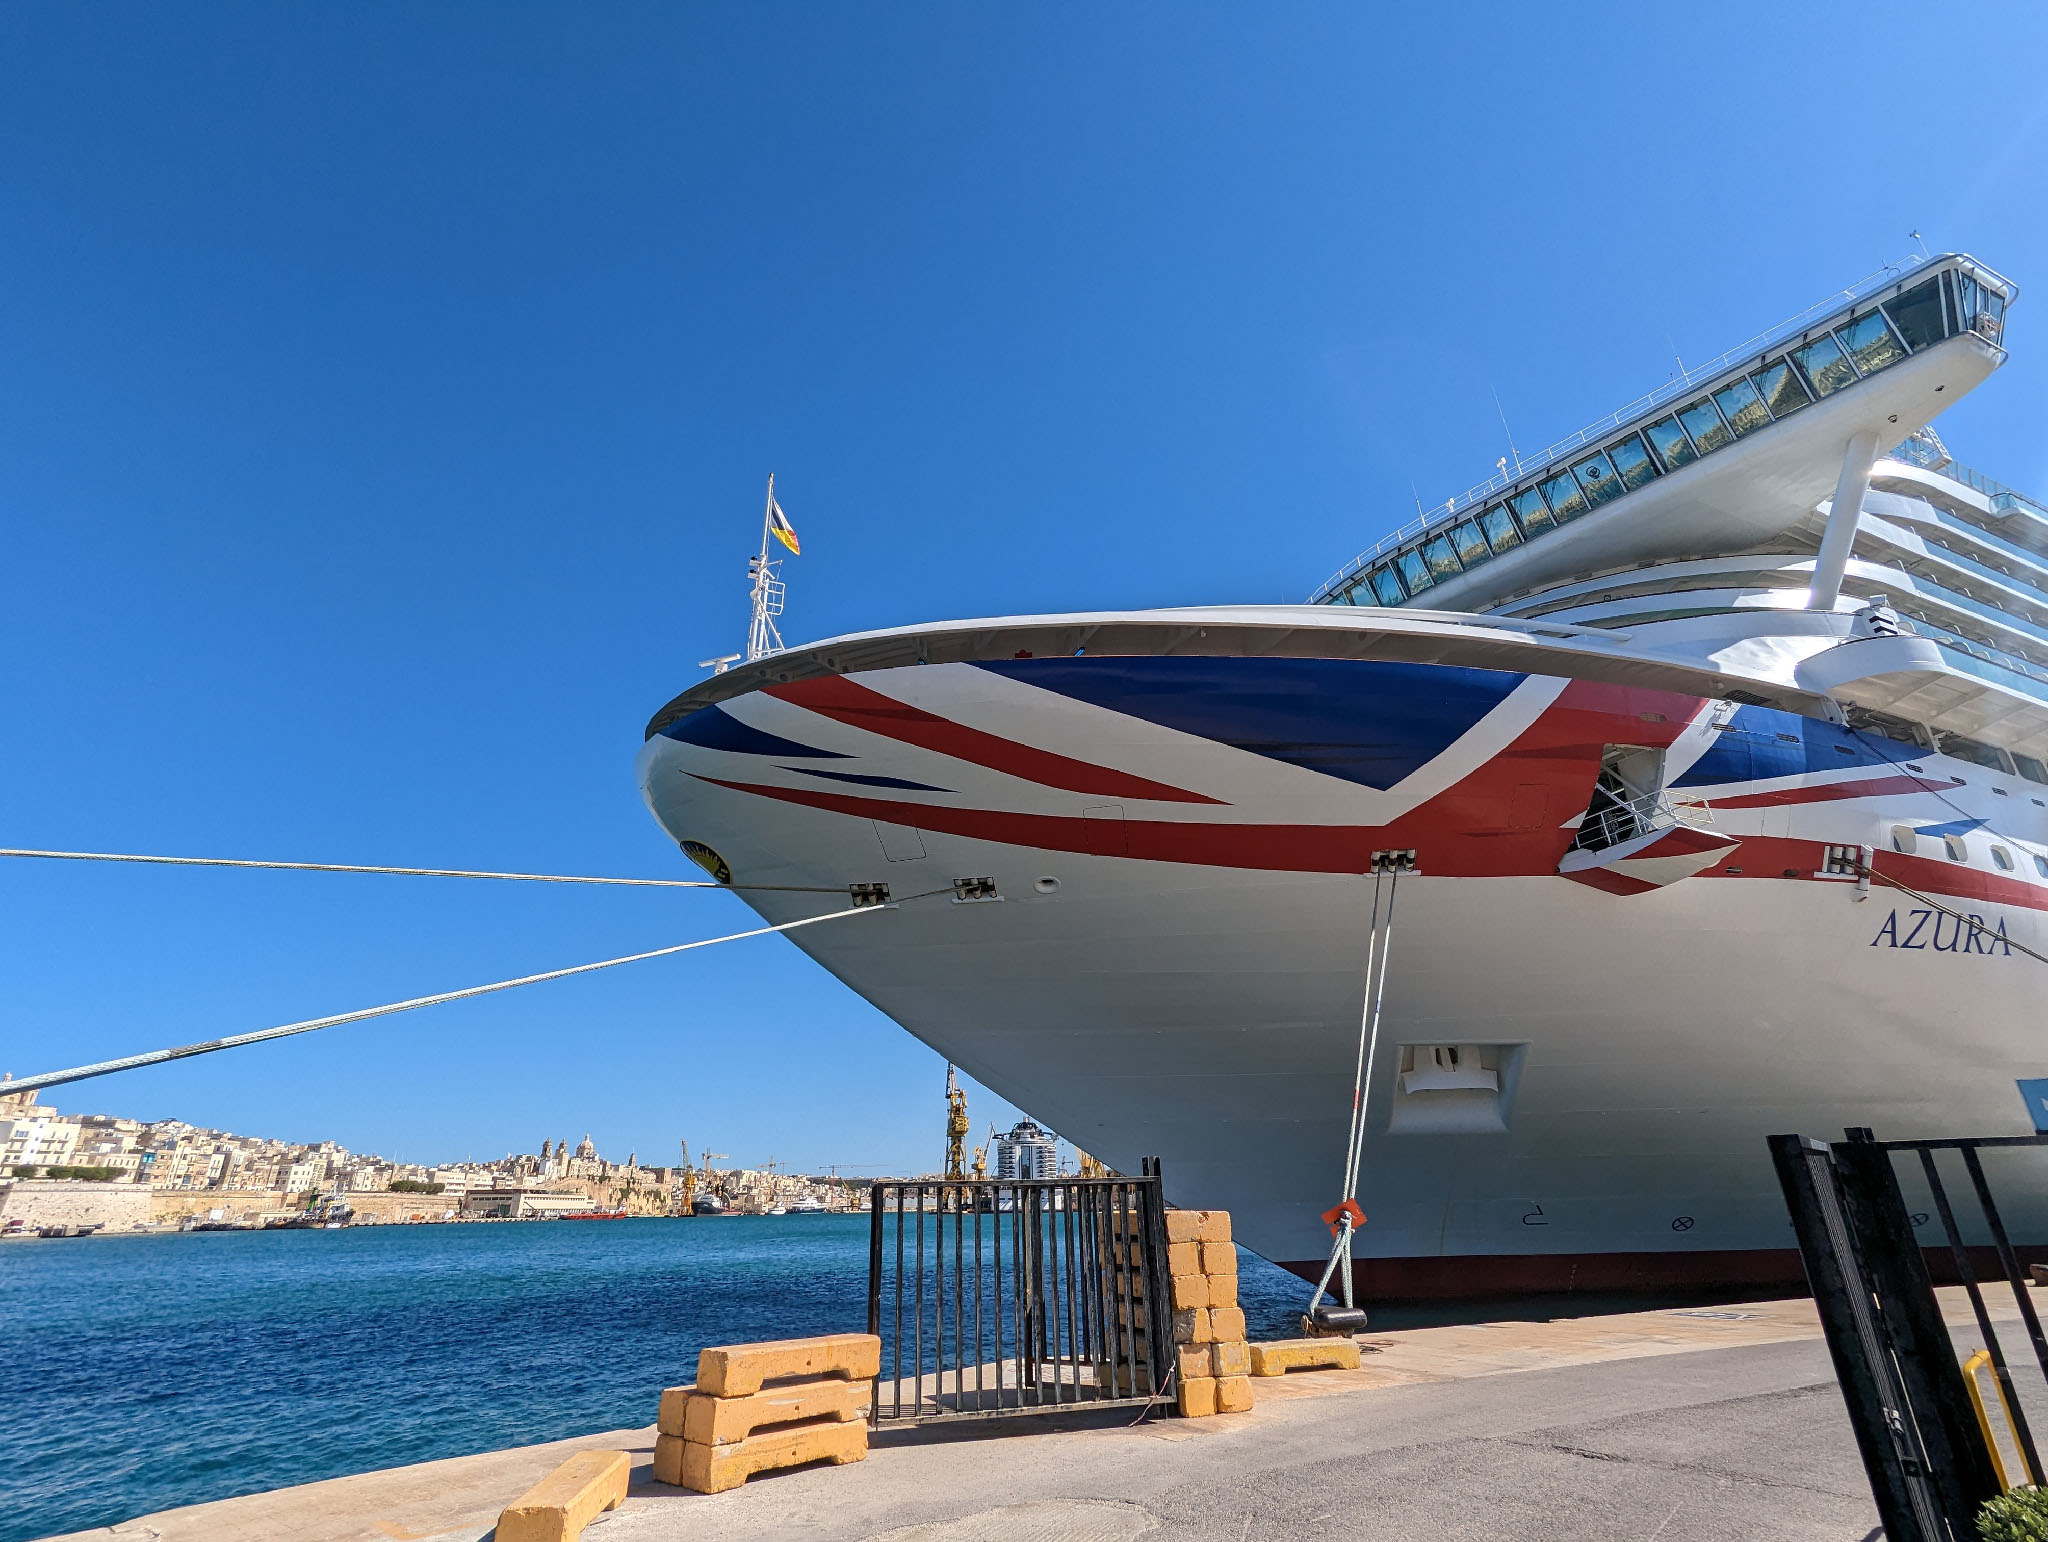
[
  {"x": 1003, "y": 1297},
  {"x": 1939, "y": 1433}
]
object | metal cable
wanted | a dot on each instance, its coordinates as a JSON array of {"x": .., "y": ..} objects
[
  {"x": 157, "y": 1057},
  {"x": 414, "y": 872}
]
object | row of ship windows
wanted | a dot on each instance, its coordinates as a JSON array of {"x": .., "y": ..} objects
[
  {"x": 1907, "y": 839},
  {"x": 1880, "y": 337}
]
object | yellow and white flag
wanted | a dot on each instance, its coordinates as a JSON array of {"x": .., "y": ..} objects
[{"x": 780, "y": 527}]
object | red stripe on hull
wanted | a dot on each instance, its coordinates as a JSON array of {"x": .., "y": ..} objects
[
  {"x": 848, "y": 701},
  {"x": 1835, "y": 792},
  {"x": 1751, "y": 1271}
]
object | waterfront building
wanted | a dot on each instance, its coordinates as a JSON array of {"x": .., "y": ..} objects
[{"x": 1028, "y": 1151}]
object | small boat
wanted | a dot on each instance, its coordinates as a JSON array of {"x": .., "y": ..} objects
[
  {"x": 707, "y": 1204},
  {"x": 777, "y": 1210},
  {"x": 806, "y": 1207}
]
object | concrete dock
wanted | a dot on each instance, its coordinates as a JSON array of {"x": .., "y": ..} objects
[{"x": 1696, "y": 1422}]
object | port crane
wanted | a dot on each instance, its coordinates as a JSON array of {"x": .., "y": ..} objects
[{"x": 956, "y": 1126}]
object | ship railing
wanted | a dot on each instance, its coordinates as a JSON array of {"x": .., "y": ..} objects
[
  {"x": 1682, "y": 384},
  {"x": 1647, "y": 815}
]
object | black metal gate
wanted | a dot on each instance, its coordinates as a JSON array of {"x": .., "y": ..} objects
[
  {"x": 1934, "y": 1444},
  {"x": 995, "y": 1297}
]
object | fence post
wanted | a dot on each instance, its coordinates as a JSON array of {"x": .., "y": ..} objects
[
  {"x": 1958, "y": 1464},
  {"x": 1884, "y": 1436}
]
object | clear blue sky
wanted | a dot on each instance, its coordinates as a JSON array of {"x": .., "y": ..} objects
[{"x": 386, "y": 395}]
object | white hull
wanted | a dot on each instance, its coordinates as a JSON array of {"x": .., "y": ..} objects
[{"x": 1210, "y": 1015}]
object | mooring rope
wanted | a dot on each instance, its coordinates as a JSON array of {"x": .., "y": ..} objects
[
  {"x": 1379, "y": 949},
  {"x": 412, "y": 872},
  {"x": 157, "y": 1057}
]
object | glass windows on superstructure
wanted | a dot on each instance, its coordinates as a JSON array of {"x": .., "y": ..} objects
[
  {"x": 2031, "y": 768},
  {"x": 1386, "y": 584},
  {"x": 1742, "y": 407},
  {"x": 1632, "y": 462},
  {"x": 1414, "y": 571},
  {"x": 1670, "y": 443},
  {"x": 1469, "y": 542},
  {"x": 1702, "y": 421},
  {"x": 1824, "y": 365},
  {"x": 1870, "y": 343},
  {"x": 1598, "y": 479},
  {"x": 1443, "y": 562},
  {"x": 1917, "y": 315},
  {"x": 1563, "y": 496},
  {"x": 1779, "y": 386},
  {"x": 1531, "y": 512},
  {"x": 1499, "y": 526}
]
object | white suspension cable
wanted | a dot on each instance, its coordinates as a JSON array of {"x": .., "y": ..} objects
[
  {"x": 157, "y": 1057},
  {"x": 406, "y": 872}
]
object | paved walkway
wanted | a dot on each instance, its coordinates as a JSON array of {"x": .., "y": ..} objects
[{"x": 1680, "y": 1424}]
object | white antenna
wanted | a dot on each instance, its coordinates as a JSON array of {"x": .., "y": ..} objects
[{"x": 762, "y": 637}]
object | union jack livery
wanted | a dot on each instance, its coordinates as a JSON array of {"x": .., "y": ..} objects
[{"x": 1706, "y": 754}]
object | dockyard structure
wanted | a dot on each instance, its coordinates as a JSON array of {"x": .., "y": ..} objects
[{"x": 1029, "y": 1151}]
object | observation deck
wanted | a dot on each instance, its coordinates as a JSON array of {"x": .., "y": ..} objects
[{"x": 1716, "y": 461}]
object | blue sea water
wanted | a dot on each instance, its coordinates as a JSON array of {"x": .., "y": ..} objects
[{"x": 138, "y": 1373}]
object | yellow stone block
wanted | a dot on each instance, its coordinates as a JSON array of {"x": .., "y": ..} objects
[
  {"x": 1226, "y": 1322},
  {"x": 1219, "y": 1258},
  {"x": 1198, "y": 1397},
  {"x": 1191, "y": 1289},
  {"x": 1231, "y": 1357},
  {"x": 1233, "y": 1394},
  {"x": 1195, "y": 1361},
  {"x": 719, "y": 1421},
  {"x": 1191, "y": 1326},
  {"x": 739, "y": 1370},
  {"x": 714, "y": 1469},
  {"x": 1184, "y": 1258},
  {"x": 1304, "y": 1355},
  {"x": 557, "y": 1508},
  {"x": 1222, "y": 1290},
  {"x": 1198, "y": 1225}
]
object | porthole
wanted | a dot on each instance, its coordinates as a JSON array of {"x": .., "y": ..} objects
[
  {"x": 1905, "y": 838},
  {"x": 2041, "y": 866},
  {"x": 1047, "y": 886},
  {"x": 2001, "y": 858},
  {"x": 1958, "y": 848}
]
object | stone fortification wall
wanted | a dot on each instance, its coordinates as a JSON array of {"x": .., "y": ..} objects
[
  {"x": 37, "y": 1202},
  {"x": 393, "y": 1209},
  {"x": 173, "y": 1205}
]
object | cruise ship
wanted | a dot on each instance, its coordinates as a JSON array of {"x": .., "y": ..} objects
[{"x": 1702, "y": 761}]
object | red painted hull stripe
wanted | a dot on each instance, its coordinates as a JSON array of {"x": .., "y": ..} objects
[
  {"x": 1830, "y": 792},
  {"x": 848, "y": 701}
]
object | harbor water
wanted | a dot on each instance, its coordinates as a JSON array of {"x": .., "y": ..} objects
[{"x": 168, "y": 1369}]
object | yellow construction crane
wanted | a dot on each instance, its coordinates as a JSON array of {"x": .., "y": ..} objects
[
  {"x": 981, "y": 1153},
  {"x": 1090, "y": 1168},
  {"x": 689, "y": 1181},
  {"x": 956, "y": 1126}
]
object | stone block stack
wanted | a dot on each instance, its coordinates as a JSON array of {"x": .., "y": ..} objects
[
  {"x": 1212, "y": 1365},
  {"x": 758, "y": 1407}
]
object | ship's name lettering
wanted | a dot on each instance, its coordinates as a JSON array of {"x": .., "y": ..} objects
[{"x": 1942, "y": 932}]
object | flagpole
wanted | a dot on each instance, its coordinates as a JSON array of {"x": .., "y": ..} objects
[{"x": 762, "y": 637}]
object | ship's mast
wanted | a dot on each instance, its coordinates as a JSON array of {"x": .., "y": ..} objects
[{"x": 762, "y": 636}]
